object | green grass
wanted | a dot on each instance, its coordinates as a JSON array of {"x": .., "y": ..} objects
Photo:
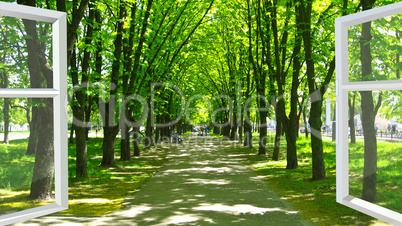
[
  {"x": 15, "y": 177},
  {"x": 104, "y": 189},
  {"x": 389, "y": 173},
  {"x": 16, "y": 132},
  {"x": 317, "y": 200},
  {"x": 101, "y": 193}
]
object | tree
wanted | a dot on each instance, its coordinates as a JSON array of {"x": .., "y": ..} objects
[
  {"x": 316, "y": 91},
  {"x": 259, "y": 74},
  {"x": 80, "y": 102},
  {"x": 369, "y": 192},
  {"x": 40, "y": 72},
  {"x": 4, "y": 84}
]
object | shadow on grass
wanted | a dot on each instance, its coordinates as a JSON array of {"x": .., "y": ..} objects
[
  {"x": 316, "y": 200},
  {"x": 100, "y": 193}
]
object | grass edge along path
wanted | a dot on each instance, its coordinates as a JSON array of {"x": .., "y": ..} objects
[
  {"x": 315, "y": 200},
  {"x": 105, "y": 188}
]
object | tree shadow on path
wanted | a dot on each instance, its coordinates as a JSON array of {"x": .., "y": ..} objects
[{"x": 201, "y": 184}]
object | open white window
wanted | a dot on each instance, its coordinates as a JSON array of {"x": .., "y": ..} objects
[
  {"x": 384, "y": 80},
  {"x": 57, "y": 21}
]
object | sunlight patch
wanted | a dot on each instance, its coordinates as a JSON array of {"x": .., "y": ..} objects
[
  {"x": 133, "y": 212},
  {"x": 90, "y": 201},
  {"x": 206, "y": 181},
  {"x": 181, "y": 218},
  {"x": 237, "y": 209},
  {"x": 205, "y": 169}
]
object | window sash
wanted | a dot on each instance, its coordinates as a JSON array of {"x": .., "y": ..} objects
[
  {"x": 343, "y": 86},
  {"x": 59, "y": 95}
]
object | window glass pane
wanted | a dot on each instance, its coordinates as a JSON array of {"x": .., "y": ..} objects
[
  {"x": 28, "y": 122},
  {"x": 14, "y": 49},
  {"x": 385, "y": 49},
  {"x": 375, "y": 157}
]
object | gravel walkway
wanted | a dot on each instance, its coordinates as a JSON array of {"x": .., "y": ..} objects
[{"x": 201, "y": 184}]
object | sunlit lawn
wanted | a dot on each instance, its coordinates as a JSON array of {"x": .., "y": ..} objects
[
  {"x": 15, "y": 177},
  {"x": 105, "y": 188},
  {"x": 102, "y": 192},
  {"x": 389, "y": 173},
  {"x": 317, "y": 200}
]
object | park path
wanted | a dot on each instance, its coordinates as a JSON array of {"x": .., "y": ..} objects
[{"x": 200, "y": 184}]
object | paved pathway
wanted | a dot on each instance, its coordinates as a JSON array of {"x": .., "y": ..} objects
[{"x": 201, "y": 184}]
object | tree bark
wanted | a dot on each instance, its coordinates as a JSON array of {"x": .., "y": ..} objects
[
  {"x": 369, "y": 192},
  {"x": 108, "y": 158},
  {"x": 125, "y": 143},
  {"x": 277, "y": 142},
  {"x": 248, "y": 136},
  {"x": 316, "y": 141},
  {"x": 291, "y": 123},
  {"x": 6, "y": 114},
  {"x": 42, "y": 179},
  {"x": 233, "y": 123},
  {"x": 352, "y": 119},
  {"x": 33, "y": 132},
  {"x": 316, "y": 94},
  {"x": 306, "y": 131},
  {"x": 108, "y": 109},
  {"x": 71, "y": 139},
  {"x": 149, "y": 128}
]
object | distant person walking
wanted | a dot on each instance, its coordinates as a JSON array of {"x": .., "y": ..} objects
[
  {"x": 202, "y": 130},
  {"x": 393, "y": 130},
  {"x": 389, "y": 128}
]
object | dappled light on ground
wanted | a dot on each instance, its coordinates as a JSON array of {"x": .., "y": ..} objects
[
  {"x": 238, "y": 209},
  {"x": 200, "y": 184}
]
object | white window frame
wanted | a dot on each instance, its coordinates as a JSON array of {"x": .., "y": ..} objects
[
  {"x": 59, "y": 95},
  {"x": 343, "y": 86}
]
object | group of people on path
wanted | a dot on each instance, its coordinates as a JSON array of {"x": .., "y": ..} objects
[{"x": 202, "y": 129}]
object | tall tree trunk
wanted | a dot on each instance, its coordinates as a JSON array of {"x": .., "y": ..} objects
[
  {"x": 316, "y": 141},
  {"x": 108, "y": 109},
  {"x": 277, "y": 142},
  {"x": 125, "y": 143},
  {"x": 291, "y": 153},
  {"x": 292, "y": 122},
  {"x": 81, "y": 152},
  {"x": 369, "y": 192},
  {"x": 248, "y": 136},
  {"x": 241, "y": 128},
  {"x": 42, "y": 179},
  {"x": 352, "y": 119},
  {"x": 6, "y": 114},
  {"x": 306, "y": 131},
  {"x": 6, "y": 106},
  {"x": 110, "y": 130},
  {"x": 33, "y": 132},
  {"x": 233, "y": 123},
  {"x": 78, "y": 121},
  {"x": 262, "y": 148},
  {"x": 71, "y": 139},
  {"x": 108, "y": 158},
  {"x": 149, "y": 128},
  {"x": 316, "y": 94}
]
